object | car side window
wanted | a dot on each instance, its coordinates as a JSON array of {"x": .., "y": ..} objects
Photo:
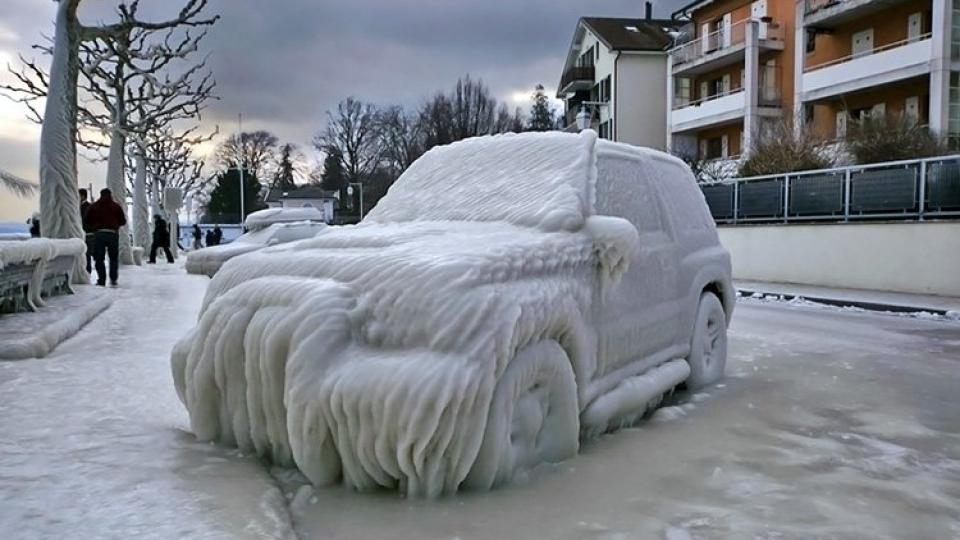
[{"x": 624, "y": 190}]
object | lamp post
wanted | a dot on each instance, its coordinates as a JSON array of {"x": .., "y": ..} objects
[
  {"x": 585, "y": 116},
  {"x": 350, "y": 192},
  {"x": 240, "y": 161}
]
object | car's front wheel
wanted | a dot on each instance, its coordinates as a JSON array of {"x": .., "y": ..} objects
[
  {"x": 708, "y": 348},
  {"x": 533, "y": 416}
]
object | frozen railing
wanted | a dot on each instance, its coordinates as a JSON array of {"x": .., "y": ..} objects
[
  {"x": 726, "y": 37},
  {"x": 909, "y": 190}
]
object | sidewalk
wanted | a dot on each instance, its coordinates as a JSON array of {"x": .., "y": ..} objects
[{"x": 862, "y": 298}]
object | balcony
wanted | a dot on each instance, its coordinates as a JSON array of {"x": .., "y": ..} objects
[
  {"x": 723, "y": 47},
  {"x": 827, "y": 14},
  {"x": 889, "y": 63},
  {"x": 576, "y": 79},
  {"x": 728, "y": 106}
]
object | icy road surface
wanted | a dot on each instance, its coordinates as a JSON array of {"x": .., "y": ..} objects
[{"x": 830, "y": 424}]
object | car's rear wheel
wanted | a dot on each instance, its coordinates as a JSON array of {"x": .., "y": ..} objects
[
  {"x": 533, "y": 417},
  {"x": 708, "y": 348}
]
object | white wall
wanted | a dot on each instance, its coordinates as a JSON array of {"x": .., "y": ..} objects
[
  {"x": 903, "y": 257},
  {"x": 641, "y": 99}
]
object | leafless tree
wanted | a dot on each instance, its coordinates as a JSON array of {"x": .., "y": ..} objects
[
  {"x": 19, "y": 186},
  {"x": 59, "y": 200},
  {"x": 353, "y": 131},
  {"x": 402, "y": 139},
  {"x": 257, "y": 149}
]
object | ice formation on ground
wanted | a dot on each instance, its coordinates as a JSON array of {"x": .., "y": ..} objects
[
  {"x": 458, "y": 335},
  {"x": 35, "y": 335},
  {"x": 209, "y": 260},
  {"x": 262, "y": 219}
]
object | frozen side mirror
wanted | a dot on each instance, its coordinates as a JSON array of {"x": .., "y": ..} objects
[{"x": 614, "y": 241}]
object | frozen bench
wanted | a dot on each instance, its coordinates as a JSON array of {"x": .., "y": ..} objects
[{"x": 33, "y": 269}]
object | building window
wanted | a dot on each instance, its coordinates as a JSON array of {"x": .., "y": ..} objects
[
  {"x": 605, "y": 130},
  {"x": 811, "y": 41},
  {"x": 714, "y": 148},
  {"x": 605, "y": 89}
]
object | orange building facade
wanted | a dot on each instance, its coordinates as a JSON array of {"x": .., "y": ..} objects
[{"x": 817, "y": 63}]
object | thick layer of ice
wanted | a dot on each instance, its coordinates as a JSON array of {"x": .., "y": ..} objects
[
  {"x": 530, "y": 179},
  {"x": 448, "y": 340},
  {"x": 262, "y": 219},
  {"x": 38, "y": 249},
  {"x": 209, "y": 260}
]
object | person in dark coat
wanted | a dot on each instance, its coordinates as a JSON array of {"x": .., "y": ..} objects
[
  {"x": 196, "y": 236},
  {"x": 209, "y": 238},
  {"x": 161, "y": 239},
  {"x": 35, "y": 227},
  {"x": 217, "y": 235},
  {"x": 88, "y": 235},
  {"x": 104, "y": 218}
]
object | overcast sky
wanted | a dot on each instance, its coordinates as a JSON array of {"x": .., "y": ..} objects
[{"x": 283, "y": 63}]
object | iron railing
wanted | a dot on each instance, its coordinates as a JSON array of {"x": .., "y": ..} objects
[{"x": 909, "y": 190}]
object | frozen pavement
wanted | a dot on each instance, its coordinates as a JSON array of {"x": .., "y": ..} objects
[
  {"x": 93, "y": 440},
  {"x": 831, "y": 424}
]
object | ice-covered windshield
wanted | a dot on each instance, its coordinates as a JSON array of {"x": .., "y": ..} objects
[{"x": 531, "y": 179}]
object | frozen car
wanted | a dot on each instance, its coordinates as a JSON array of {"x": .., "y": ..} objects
[
  {"x": 508, "y": 297},
  {"x": 209, "y": 260}
]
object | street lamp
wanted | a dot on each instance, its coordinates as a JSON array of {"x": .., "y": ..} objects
[
  {"x": 240, "y": 161},
  {"x": 350, "y": 193},
  {"x": 585, "y": 116}
]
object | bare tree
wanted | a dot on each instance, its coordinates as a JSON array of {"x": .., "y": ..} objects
[
  {"x": 257, "y": 150},
  {"x": 19, "y": 186},
  {"x": 59, "y": 201},
  {"x": 402, "y": 139},
  {"x": 353, "y": 131}
]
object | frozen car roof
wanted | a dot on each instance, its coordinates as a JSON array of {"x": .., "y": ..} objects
[
  {"x": 539, "y": 180},
  {"x": 265, "y": 218}
]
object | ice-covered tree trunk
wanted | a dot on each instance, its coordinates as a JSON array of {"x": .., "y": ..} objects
[
  {"x": 59, "y": 200},
  {"x": 141, "y": 209},
  {"x": 117, "y": 184},
  {"x": 154, "y": 195}
]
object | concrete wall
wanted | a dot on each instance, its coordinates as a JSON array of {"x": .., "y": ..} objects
[{"x": 903, "y": 257}]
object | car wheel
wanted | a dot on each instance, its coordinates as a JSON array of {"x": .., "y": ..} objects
[
  {"x": 532, "y": 419},
  {"x": 708, "y": 348}
]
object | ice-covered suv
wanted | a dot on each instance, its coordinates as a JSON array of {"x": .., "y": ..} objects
[{"x": 509, "y": 296}]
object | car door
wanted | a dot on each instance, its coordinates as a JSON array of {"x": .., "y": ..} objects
[{"x": 638, "y": 316}]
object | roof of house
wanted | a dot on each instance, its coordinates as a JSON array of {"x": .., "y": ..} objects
[
  {"x": 628, "y": 34},
  {"x": 302, "y": 192},
  {"x": 689, "y": 8}
]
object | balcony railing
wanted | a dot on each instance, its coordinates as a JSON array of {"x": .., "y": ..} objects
[
  {"x": 909, "y": 190},
  {"x": 719, "y": 40},
  {"x": 811, "y": 6},
  {"x": 876, "y": 50},
  {"x": 768, "y": 88},
  {"x": 575, "y": 74}
]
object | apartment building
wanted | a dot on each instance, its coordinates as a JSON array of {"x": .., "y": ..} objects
[
  {"x": 877, "y": 57},
  {"x": 615, "y": 78},
  {"x": 731, "y": 75}
]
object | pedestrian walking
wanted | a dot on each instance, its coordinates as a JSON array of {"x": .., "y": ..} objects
[
  {"x": 87, "y": 234},
  {"x": 217, "y": 235},
  {"x": 209, "y": 238},
  {"x": 104, "y": 218},
  {"x": 161, "y": 239},
  {"x": 35, "y": 226},
  {"x": 196, "y": 236}
]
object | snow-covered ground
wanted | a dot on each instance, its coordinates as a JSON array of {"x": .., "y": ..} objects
[{"x": 830, "y": 424}]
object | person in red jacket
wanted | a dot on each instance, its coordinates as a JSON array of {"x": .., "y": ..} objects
[{"x": 104, "y": 218}]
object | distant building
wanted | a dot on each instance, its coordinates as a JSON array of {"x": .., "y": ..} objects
[
  {"x": 616, "y": 71},
  {"x": 308, "y": 195},
  {"x": 823, "y": 64}
]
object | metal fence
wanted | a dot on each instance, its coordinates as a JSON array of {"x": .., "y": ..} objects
[{"x": 909, "y": 190}]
